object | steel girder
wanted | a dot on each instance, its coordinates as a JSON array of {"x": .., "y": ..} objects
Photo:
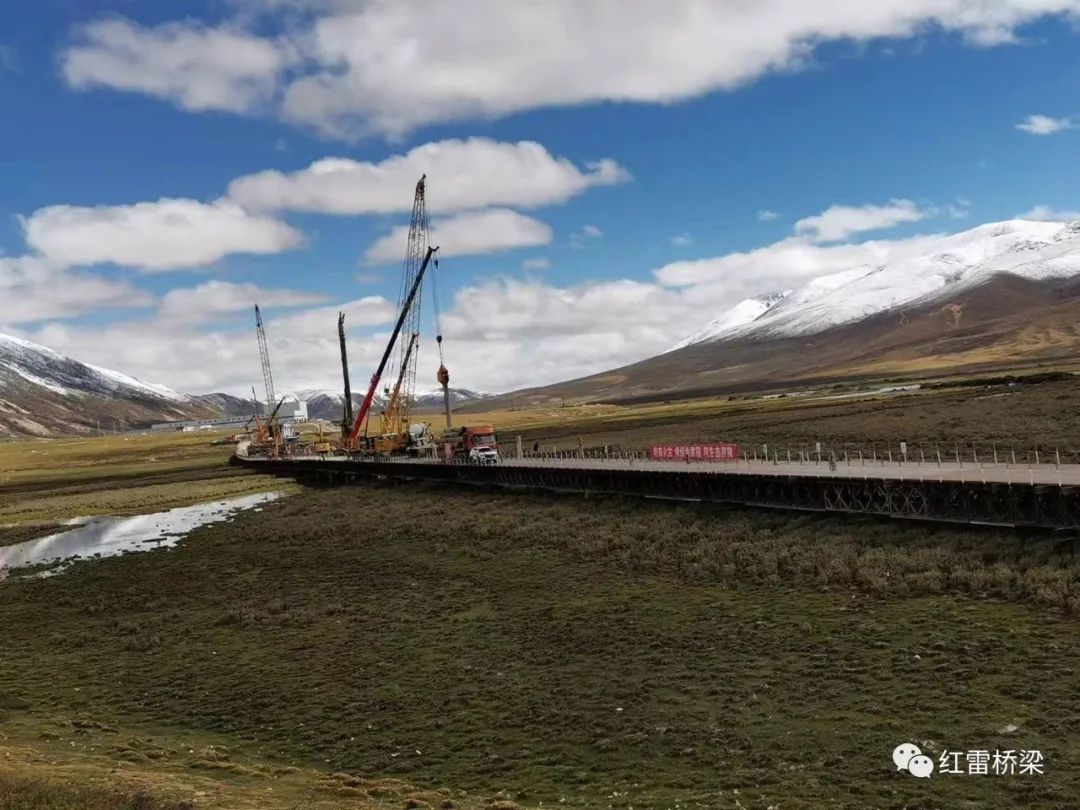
[{"x": 1015, "y": 504}]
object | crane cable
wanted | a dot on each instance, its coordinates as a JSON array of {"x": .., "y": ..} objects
[{"x": 433, "y": 277}]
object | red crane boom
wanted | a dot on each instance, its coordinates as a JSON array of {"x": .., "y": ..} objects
[{"x": 365, "y": 406}]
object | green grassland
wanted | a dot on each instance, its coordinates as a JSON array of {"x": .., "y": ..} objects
[
  {"x": 609, "y": 654},
  {"x": 392, "y": 645}
]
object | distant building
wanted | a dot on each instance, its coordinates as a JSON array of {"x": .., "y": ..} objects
[{"x": 291, "y": 410}]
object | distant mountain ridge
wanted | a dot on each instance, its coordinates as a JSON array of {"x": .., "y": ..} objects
[
  {"x": 1001, "y": 295},
  {"x": 917, "y": 272},
  {"x": 43, "y": 392}
]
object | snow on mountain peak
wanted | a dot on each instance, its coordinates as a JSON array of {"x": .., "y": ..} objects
[
  {"x": 742, "y": 313},
  {"x": 24, "y": 362},
  {"x": 913, "y": 272}
]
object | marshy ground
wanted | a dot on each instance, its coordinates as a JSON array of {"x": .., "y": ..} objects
[
  {"x": 402, "y": 646},
  {"x": 548, "y": 649}
]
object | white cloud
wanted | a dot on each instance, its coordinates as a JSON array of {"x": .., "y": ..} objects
[
  {"x": 355, "y": 67},
  {"x": 463, "y": 174},
  {"x": 33, "y": 289},
  {"x": 469, "y": 233},
  {"x": 195, "y": 67},
  {"x": 960, "y": 209},
  {"x": 767, "y": 216},
  {"x": 841, "y": 221},
  {"x": 682, "y": 240},
  {"x": 371, "y": 310},
  {"x": 215, "y": 299},
  {"x": 303, "y": 349},
  {"x": 1044, "y": 124},
  {"x": 501, "y": 334},
  {"x": 587, "y": 233},
  {"x": 780, "y": 265},
  {"x": 1044, "y": 213},
  {"x": 537, "y": 263},
  {"x": 154, "y": 236},
  {"x": 380, "y": 78}
]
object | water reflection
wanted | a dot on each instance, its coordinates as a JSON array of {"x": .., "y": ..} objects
[{"x": 108, "y": 536}]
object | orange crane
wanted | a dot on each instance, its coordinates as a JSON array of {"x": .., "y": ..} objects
[{"x": 395, "y": 418}]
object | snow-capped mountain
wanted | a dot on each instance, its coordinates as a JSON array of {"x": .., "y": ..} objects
[
  {"x": 43, "y": 391},
  {"x": 22, "y": 361},
  {"x": 744, "y": 312},
  {"x": 1003, "y": 297},
  {"x": 915, "y": 272}
]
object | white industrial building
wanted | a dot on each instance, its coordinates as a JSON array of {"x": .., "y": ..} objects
[{"x": 291, "y": 410}]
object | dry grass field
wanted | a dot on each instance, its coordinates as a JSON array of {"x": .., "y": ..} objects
[{"x": 1023, "y": 416}]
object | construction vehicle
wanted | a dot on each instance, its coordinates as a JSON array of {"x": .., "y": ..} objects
[
  {"x": 347, "y": 414},
  {"x": 399, "y": 434},
  {"x": 264, "y": 357},
  {"x": 268, "y": 438},
  {"x": 476, "y": 444},
  {"x": 321, "y": 446}
]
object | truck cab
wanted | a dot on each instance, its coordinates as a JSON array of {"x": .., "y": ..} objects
[{"x": 476, "y": 444}]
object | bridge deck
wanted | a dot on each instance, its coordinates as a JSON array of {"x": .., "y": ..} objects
[{"x": 1044, "y": 496}]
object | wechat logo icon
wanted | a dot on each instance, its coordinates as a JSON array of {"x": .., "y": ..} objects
[{"x": 908, "y": 757}]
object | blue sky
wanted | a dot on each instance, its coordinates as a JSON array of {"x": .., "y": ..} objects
[{"x": 897, "y": 120}]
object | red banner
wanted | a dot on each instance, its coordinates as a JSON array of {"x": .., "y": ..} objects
[{"x": 694, "y": 452}]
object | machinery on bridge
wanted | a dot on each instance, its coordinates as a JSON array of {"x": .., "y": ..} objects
[
  {"x": 264, "y": 357},
  {"x": 271, "y": 437},
  {"x": 268, "y": 437},
  {"x": 398, "y": 433},
  {"x": 347, "y": 414}
]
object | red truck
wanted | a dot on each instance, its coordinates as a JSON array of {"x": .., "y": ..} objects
[{"x": 476, "y": 444}]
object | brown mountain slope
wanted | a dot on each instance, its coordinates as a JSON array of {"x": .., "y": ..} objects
[{"x": 1007, "y": 323}]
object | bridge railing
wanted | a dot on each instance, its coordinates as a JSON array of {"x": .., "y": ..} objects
[{"x": 1026, "y": 468}]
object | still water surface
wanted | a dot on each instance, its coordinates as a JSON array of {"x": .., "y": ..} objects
[{"x": 108, "y": 536}]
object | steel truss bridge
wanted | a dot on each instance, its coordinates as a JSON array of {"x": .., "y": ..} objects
[{"x": 1044, "y": 498}]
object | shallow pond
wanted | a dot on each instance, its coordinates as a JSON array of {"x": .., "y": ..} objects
[{"x": 108, "y": 536}]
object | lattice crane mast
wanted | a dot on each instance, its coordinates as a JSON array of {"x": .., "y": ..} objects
[
  {"x": 417, "y": 258},
  {"x": 399, "y": 403},
  {"x": 264, "y": 356}
]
